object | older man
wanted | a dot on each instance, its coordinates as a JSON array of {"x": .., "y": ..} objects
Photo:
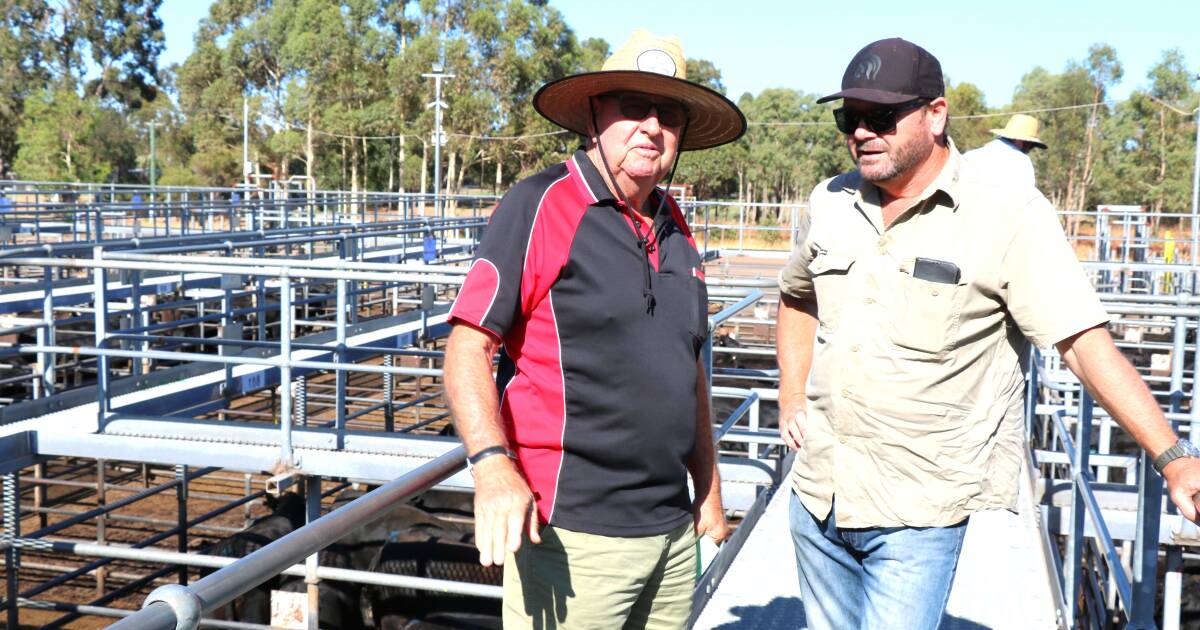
[
  {"x": 911, "y": 290},
  {"x": 589, "y": 280}
]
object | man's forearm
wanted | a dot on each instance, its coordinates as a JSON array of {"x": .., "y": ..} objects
[
  {"x": 1118, "y": 388},
  {"x": 471, "y": 390}
]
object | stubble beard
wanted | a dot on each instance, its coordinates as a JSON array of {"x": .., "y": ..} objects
[{"x": 901, "y": 159}]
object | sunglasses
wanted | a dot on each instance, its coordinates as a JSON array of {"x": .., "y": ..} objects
[
  {"x": 877, "y": 119},
  {"x": 637, "y": 107}
]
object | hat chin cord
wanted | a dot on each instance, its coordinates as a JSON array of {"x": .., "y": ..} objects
[{"x": 642, "y": 241}]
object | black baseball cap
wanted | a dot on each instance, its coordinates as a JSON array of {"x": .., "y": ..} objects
[{"x": 891, "y": 71}]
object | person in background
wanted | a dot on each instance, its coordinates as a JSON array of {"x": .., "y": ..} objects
[
  {"x": 1007, "y": 157},
  {"x": 589, "y": 281}
]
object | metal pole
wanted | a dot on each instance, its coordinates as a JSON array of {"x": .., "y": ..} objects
[
  {"x": 439, "y": 138},
  {"x": 312, "y": 496},
  {"x": 153, "y": 160},
  {"x": 246, "y": 144},
  {"x": 220, "y": 587},
  {"x": 1195, "y": 194},
  {"x": 181, "y": 510},
  {"x": 12, "y": 557},
  {"x": 101, "y": 318},
  {"x": 285, "y": 369},
  {"x": 1073, "y": 570},
  {"x": 101, "y": 521},
  {"x": 340, "y": 356}
]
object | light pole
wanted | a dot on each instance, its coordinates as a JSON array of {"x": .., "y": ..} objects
[
  {"x": 153, "y": 157},
  {"x": 1196, "y": 187},
  {"x": 439, "y": 136}
]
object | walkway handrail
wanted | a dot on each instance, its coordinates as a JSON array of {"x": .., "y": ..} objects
[{"x": 221, "y": 587}]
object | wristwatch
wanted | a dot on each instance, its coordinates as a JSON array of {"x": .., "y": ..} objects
[
  {"x": 488, "y": 452},
  {"x": 1182, "y": 448}
]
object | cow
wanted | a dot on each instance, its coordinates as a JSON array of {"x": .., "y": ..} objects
[
  {"x": 254, "y": 606},
  {"x": 432, "y": 548},
  {"x": 339, "y": 603}
]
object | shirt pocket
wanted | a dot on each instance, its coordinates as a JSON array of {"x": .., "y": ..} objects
[
  {"x": 829, "y": 275},
  {"x": 928, "y": 315}
]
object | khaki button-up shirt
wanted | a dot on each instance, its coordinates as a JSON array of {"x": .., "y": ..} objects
[{"x": 915, "y": 411}]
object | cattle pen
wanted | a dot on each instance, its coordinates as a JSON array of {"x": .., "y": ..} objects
[{"x": 177, "y": 358}]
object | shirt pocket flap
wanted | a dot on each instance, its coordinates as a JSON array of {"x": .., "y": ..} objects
[{"x": 827, "y": 263}]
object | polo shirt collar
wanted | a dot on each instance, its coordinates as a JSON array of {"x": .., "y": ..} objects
[{"x": 593, "y": 181}]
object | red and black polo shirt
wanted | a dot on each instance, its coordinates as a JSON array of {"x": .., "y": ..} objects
[{"x": 597, "y": 392}]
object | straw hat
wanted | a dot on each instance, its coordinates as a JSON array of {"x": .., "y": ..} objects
[
  {"x": 652, "y": 65},
  {"x": 1021, "y": 127}
]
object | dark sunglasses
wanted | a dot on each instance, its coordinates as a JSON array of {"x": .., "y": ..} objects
[
  {"x": 877, "y": 119},
  {"x": 637, "y": 107}
]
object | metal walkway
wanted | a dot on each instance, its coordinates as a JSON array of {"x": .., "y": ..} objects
[{"x": 1002, "y": 580}]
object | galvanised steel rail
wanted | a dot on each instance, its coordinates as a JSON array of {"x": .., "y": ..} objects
[{"x": 177, "y": 606}]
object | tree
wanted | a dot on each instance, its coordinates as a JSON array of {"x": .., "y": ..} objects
[{"x": 68, "y": 138}]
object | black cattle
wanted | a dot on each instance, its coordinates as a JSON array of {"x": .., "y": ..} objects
[
  {"x": 339, "y": 603},
  {"x": 287, "y": 515},
  {"x": 436, "y": 549}
]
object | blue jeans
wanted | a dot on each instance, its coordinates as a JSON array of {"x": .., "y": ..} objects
[{"x": 889, "y": 577}]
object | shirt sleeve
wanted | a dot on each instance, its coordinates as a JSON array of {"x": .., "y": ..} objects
[
  {"x": 795, "y": 278},
  {"x": 1045, "y": 288},
  {"x": 521, "y": 254}
]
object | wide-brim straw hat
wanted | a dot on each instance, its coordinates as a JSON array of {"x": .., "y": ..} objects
[
  {"x": 1021, "y": 127},
  {"x": 652, "y": 65}
]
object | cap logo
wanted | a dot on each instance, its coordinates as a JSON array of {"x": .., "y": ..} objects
[
  {"x": 868, "y": 68},
  {"x": 656, "y": 60}
]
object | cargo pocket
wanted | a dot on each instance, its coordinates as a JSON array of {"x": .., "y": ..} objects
[{"x": 829, "y": 273}]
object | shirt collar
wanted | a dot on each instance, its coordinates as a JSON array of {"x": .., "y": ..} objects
[{"x": 593, "y": 183}]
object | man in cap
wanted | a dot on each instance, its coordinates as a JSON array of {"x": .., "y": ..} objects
[
  {"x": 913, "y": 285},
  {"x": 1007, "y": 157},
  {"x": 590, "y": 282}
]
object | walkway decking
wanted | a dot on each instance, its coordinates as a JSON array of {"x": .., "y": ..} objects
[{"x": 1002, "y": 581}]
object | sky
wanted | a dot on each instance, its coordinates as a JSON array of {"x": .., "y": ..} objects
[{"x": 805, "y": 45}]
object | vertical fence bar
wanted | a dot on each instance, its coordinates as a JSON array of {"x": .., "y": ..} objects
[
  {"x": 101, "y": 319},
  {"x": 1073, "y": 570},
  {"x": 12, "y": 557},
  {"x": 312, "y": 490},
  {"x": 285, "y": 368},
  {"x": 341, "y": 376},
  {"x": 46, "y": 375},
  {"x": 181, "y": 513},
  {"x": 101, "y": 522}
]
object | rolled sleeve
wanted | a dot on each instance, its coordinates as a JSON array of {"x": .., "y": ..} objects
[
  {"x": 795, "y": 278},
  {"x": 1046, "y": 290}
]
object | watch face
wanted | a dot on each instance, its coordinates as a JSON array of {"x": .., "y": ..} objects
[{"x": 1189, "y": 449}]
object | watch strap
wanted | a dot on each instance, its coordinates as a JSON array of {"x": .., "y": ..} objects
[
  {"x": 488, "y": 452},
  {"x": 1181, "y": 448}
]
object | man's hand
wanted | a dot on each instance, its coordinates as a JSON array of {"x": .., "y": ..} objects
[
  {"x": 793, "y": 423},
  {"x": 504, "y": 508},
  {"x": 1183, "y": 484},
  {"x": 709, "y": 518}
]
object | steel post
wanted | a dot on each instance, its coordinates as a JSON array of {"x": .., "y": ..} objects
[
  {"x": 100, "y": 299},
  {"x": 1073, "y": 571},
  {"x": 285, "y": 370},
  {"x": 312, "y": 495},
  {"x": 340, "y": 356},
  {"x": 12, "y": 556},
  {"x": 181, "y": 511}
]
